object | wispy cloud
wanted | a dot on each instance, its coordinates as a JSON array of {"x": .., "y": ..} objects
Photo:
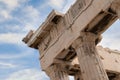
[
  {"x": 29, "y": 15},
  {"x": 12, "y": 4},
  {"x": 20, "y": 22},
  {"x": 28, "y": 74},
  {"x": 57, "y": 3},
  {"x": 5, "y": 65},
  {"x": 12, "y": 38},
  {"x": 5, "y": 14},
  {"x": 7, "y": 7}
]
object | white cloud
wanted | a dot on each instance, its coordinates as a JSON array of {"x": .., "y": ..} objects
[
  {"x": 4, "y": 65},
  {"x": 10, "y": 3},
  {"x": 16, "y": 32},
  {"x": 5, "y": 14},
  {"x": 28, "y": 27},
  {"x": 14, "y": 38},
  {"x": 30, "y": 18},
  {"x": 8, "y": 6},
  {"x": 57, "y": 3},
  {"x": 31, "y": 13},
  {"x": 28, "y": 74}
]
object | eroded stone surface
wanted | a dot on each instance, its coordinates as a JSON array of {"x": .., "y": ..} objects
[{"x": 63, "y": 48}]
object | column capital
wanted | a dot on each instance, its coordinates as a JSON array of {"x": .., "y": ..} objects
[
  {"x": 85, "y": 37},
  {"x": 55, "y": 72}
]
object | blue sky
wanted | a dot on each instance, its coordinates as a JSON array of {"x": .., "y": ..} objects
[{"x": 17, "y": 17}]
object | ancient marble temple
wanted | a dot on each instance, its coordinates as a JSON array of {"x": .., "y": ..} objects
[{"x": 68, "y": 42}]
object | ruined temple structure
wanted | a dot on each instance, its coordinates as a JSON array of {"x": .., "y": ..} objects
[{"x": 68, "y": 42}]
